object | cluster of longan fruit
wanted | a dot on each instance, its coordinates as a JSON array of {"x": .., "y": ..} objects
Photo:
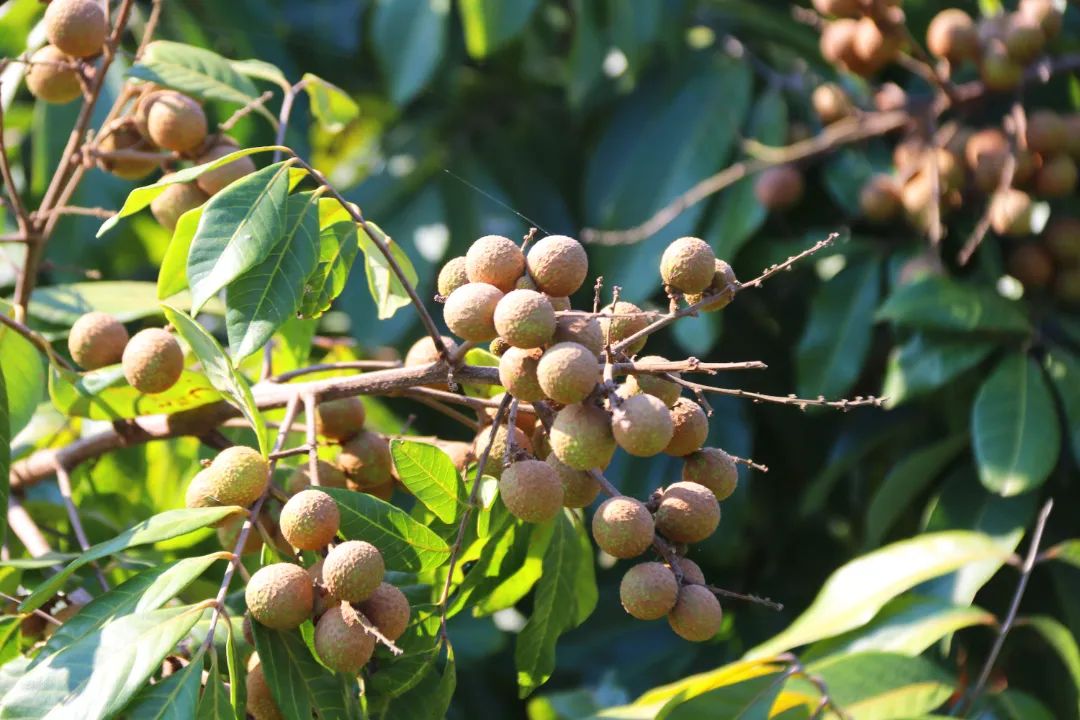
[{"x": 152, "y": 360}]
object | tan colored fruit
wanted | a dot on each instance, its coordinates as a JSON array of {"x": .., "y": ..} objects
[
  {"x": 76, "y": 27},
  {"x": 342, "y": 642},
  {"x": 460, "y": 453},
  {"x": 1011, "y": 213},
  {"x": 581, "y": 437},
  {"x": 580, "y": 329},
  {"x": 238, "y": 476},
  {"x": 200, "y": 492},
  {"x": 383, "y": 492},
  {"x": 498, "y": 346},
  {"x": 539, "y": 439},
  {"x": 648, "y": 591},
  {"x": 322, "y": 598},
  {"x": 1024, "y": 39},
  {"x": 691, "y": 572},
  {"x": 517, "y": 373},
  {"x": 642, "y": 425},
  {"x": 722, "y": 288},
  {"x": 495, "y": 260},
  {"x": 1044, "y": 12},
  {"x": 424, "y": 352},
  {"x": 366, "y": 460},
  {"x": 559, "y": 303},
  {"x": 691, "y": 428},
  {"x": 579, "y": 488},
  {"x": 280, "y": 596},
  {"x": 352, "y": 570},
  {"x": 875, "y": 45},
  {"x": 260, "y": 701},
  {"x": 890, "y": 97},
  {"x": 1057, "y": 177},
  {"x": 713, "y": 468},
  {"x": 839, "y": 8},
  {"x": 879, "y": 199},
  {"x": 952, "y": 36},
  {"x": 916, "y": 198},
  {"x": 469, "y": 312},
  {"x": 568, "y": 372},
  {"x": 387, "y": 609},
  {"x": 623, "y": 527},
  {"x": 1062, "y": 238},
  {"x": 1047, "y": 132},
  {"x": 531, "y": 491},
  {"x": 214, "y": 181},
  {"x": 494, "y": 465},
  {"x": 340, "y": 419},
  {"x": 97, "y": 339},
  {"x": 176, "y": 122},
  {"x": 688, "y": 513},
  {"x": 830, "y": 103},
  {"x": 174, "y": 201},
  {"x": 1032, "y": 265},
  {"x": 329, "y": 476},
  {"x": 229, "y": 530},
  {"x": 628, "y": 320},
  {"x": 152, "y": 361},
  {"x": 697, "y": 615},
  {"x": 310, "y": 520},
  {"x": 48, "y": 81},
  {"x": 452, "y": 276},
  {"x": 837, "y": 42},
  {"x": 1000, "y": 72},
  {"x": 985, "y": 153},
  {"x": 687, "y": 265},
  {"x": 779, "y": 188},
  {"x": 524, "y": 318},
  {"x": 654, "y": 385},
  {"x": 558, "y": 265},
  {"x": 525, "y": 419},
  {"x": 126, "y": 137}
]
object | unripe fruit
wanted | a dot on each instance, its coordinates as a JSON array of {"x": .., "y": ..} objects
[
  {"x": 688, "y": 264},
  {"x": 238, "y": 476},
  {"x": 452, "y": 276},
  {"x": 648, "y": 591},
  {"x": 697, "y": 615},
  {"x": 200, "y": 491},
  {"x": 879, "y": 198},
  {"x": 176, "y": 122},
  {"x": 688, "y": 513},
  {"x": 49, "y": 82},
  {"x": 568, "y": 372},
  {"x": 76, "y": 27},
  {"x": 952, "y": 36},
  {"x": 1024, "y": 39},
  {"x": 174, "y": 201},
  {"x": 310, "y": 520},
  {"x": 531, "y": 491},
  {"x": 329, "y": 476},
  {"x": 214, "y": 181},
  {"x": 280, "y": 596},
  {"x": 1011, "y": 213},
  {"x": 342, "y": 642},
  {"x": 654, "y": 385},
  {"x": 830, "y": 103},
  {"x": 469, "y": 312},
  {"x": 152, "y": 361},
  {"x": 691, "y": 572},
  {"x": 642, "y": 425},
  {"x": 691, "y": 428},
  {"x": 1046, "y": 132},
  {"x": 495, "y": 260},
  {"x": 366, "y": 460},
  {"x": 714, "y": 469},
  {"x": 581, "y": 437},
  {"x": 628, "y": 321},
  {"x": 839, "y": 8},
  {"x": 778, "y": 188},
  {"x": 1043, "y": 12},
  {"x": 517, "y": 373},
  {"x": 352, "y": 570},
  {"x": 126, "y": 137},
  {"x": 579, "y": 488},
  {"x": 623, "y": 527},
  {"x": 1057, "y": 177},
  {"x": 524, "y": 318},
  {"x": 97, "y": 339},
  {"x": 722, "y": 289},
  {"x": 260, "y": 701},
  {"x": 558, "y": 264},
  {"x": 580, "y": 329},
  {"x": 1062, "y": 238},
  {"x": 1000, "y": 72},
  {"x": 494, "y": 465},
  {"x": 340, "y": 419},
  {"x": 1032, "y": 265},
  {"x": 498, "y": 346},
  {"x": 388, "y": 610}
]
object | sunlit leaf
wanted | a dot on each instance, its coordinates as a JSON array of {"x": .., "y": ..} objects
[
  {"x": 883, "y": 686},
  {"x": 106, "y": 395},
  {"x": 330, "y": 105},
  {"x": 405, "y": 544},
  {"x": 490, "y": 24},
  {"x": 385, "y": 286},
  {"x": 430, "y": 475},
  {"x": 300, "y": 685}
]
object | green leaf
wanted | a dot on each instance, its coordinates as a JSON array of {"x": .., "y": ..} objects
[
  {"x": 854, "y": 594},
  {"x": 883, "y": 686},
  {"x": 162, "y": 526},
  {"x": 23, "y": 371},
  {"x": 927, "y": 362},
  {"x": 430, "y": 475},
  {"x": 421, "y": 645},
  {"x": 263, "y": 298},
  {"x": 1017, "y": 705},
  {"x": 194, "y": 71},
  {"x": 845, "y": 172},
  {"x": 409, "y": 37},
  {"x": 237, "y": 674},
  {"x": 260, "y": 70},
  {"x": 172, "y": 277},
  {"x": 125, "y": 300},
  {"x": 938, "y": 303},
  {"x": 105, "y": 394},
  {"x": 174, "y": 698},
  {"x": 330, "y": 105},
  {"x": 1067, "y": 551},
  {"x": 430, "y": 698},
  {"x": 586, "y": 593},
  {"x": 514, "y": 586},
  {"x": 490, "y": 24},
  {"x": 238, "y": 228},
  {"x": 219, "y": 370},
  {"x": 406, "y": 545},
  {"x": 1058, "y": 637},
  {"x": 5, "y": 459},
  {"x": 386, "y": 289},
  {"x": 300, "y": 684},
  {"x": 1064, "y": 371},
  {"x": 837, "y": 337},
  {"x": 338, "y": 247},
  {"x": 214, "y": 703},
  {"x": 1014, "y": 428}
]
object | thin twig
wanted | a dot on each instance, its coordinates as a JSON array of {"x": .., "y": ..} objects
[
  {"x": 801, "y": 403},
  {"x": 63, "y": 483},
  {"x": 245, "y": 110},
  {"x": 19, "y": 210},
  {"x": 149, "y": 28},
  {"x": 771, "y": 604},
  {"x": 331, "y": 367},
  {"x": 37, "y": 341}
]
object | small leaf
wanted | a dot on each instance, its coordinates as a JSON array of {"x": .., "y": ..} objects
[
  {"x": 300, "y": 685},
  {"x": 1067, "y": 551},
  {"x": 1064, "y": 371},
  {"x": 330, "y": 105},
  {"x": 338, "y": 247},
  {"x": 929, "y": 361},
  {"x": 174, "y": 698},
  {"x": 882, "y": 686},
  {"x": 1058, "y": 637},
  {"x": 386, "y": 289},
  {"x": 430, "y": 475},
  {"x": 490, "y": 24},
  {"x": 942, "y": 304},
  {"x": 172, "y": 277},
  {"x": 106, "y": 395},
  {"x": 409, "y": 37}
]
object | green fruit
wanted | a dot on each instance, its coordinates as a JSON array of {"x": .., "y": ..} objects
[
  {"x": 627, "y": 320},
  {"x": 174, "y": 201},
  {"x": 580, "y": 329},
  {"x": 76, "y": 27},
  {"x": 714, "y": 469},
  {"x": 238, "y": 476},
  {"x": 517, "y": 373},
  {"x": 310, "y": 520},
  {"x": 623, "y": 527},
  {"x": 329, "y": 476},
  {"x": 531, "y": 491},
  {"x": 214, "y": 181},
  {"x": 654, "y": 385},
  {"x": 48, "y": 81},
  {"x": 97, "y": 339},
  {"x": 260, "y": 701},
  {"x": 340, "y": 419},
  {"x": 126, "y": 137},
  {"x": 688, "y": 513},
  {"x": 387, "y": 609},
  {"x": 342, "y": 642},
  {"x": 579, "y": 487},
  {"x": 687, "y": 265},
  {"x": 176, "y": 122},
  {"x": 469, "y": 312},
  {"x": 696, "y": 616},
  {"x": 365, "y": 459},
  {"x": 999, "y": 71},
  {"x": 152, "y": 361},
  {"x": 648, "y": 591},
  {"x": 200, "y": 491},
  {"x": 495, "y": 260},
  {"x": 352, "y": 570},
  {"x": 498, "y": 346},
  {"x": 642, "y": 425},
  {"x": 691, "y": 572},
  {"x": 524, "y": 318},
  {"x": 452, "y": 276},
  {"x": 568, "y": 372},
  {"x": 494, "y": 465},
  {"x": 581, "y": 437},
  {"x": 558, "y": 264},
  {"x": 691, "y": 428},
  {"x": 280, "y": 596}
]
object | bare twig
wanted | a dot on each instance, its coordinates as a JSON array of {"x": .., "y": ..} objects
[
  {"x": 331, "y": 367},
  {"x": 771, "y": 604},
  {"x": 37, "y": 341},
  {"x": 149, "y": 28},
  {"x": 245, "y": 110},
  {"x": 22, "y": 219},
  {"x": 63, "y": 483},
  {"x": 310, "y": 428}
]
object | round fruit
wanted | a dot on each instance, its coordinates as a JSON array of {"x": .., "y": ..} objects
[
  {"x": 654, "y": 385},
  {"x": 387, "y": 609},
  {"x": 525, "y": 420},
  {"x": 200, "y": 491},
  {"x": 494, "y": 465},
  {"x": 76, "y": 27},
  {"x": 879, "y": 199},
  {"x": 1062, "y": 238},
  {"x": 352, "y": 570},
  {"x": 238, "y": 476},
  {"x": 310, "y": 520},
  {"x": 687, "y": 265},
  {"x": 229, "y": 533},
  {"x": 322, "y": 598},
  {"x": 696, "y": 616},
  {"x": 341, "y": 640},
  {"x": 623, "y": 527},
  {"x": 688, "y": 513},
  {"x": 642, "y": 425},
  {"x": 722, "y": 289},
  {"x": 214, "y": 181},
  {"x": 837, "y": 42},
  {"x": 952, "y": 36},
  {"x": 558, "y": 265},
  {"x": 126, "y": 137},
  {"x": 524, "y": 318},
  {"x": 498, "y": 346},
  {"x": 691, "y": 572},
  {"x": 517, "y": 373},
  {"x": 469, "y": 312},
  {"x": 1000, "y": 72},
  {"x": 383, "y": 492},
  {"x": 176, "y": 122},
  {"x": 1032, "y": 265},
  {"x": 1044, "y": 12},
  {"x": 581, "y": 329},
  {"x": 559, "y": 303},
  {"x": 778, "y": 188},
  {"x": 1046, "y": 132},
  {"x": 890, "y": 97},
  {"x": 1011, "y": 213},
  {"x": 830, "y": 103},
  {"x": 915, "y": 197},
  {"x": 329, "y": 476},
  {"x": 340, "y": 419},
  {"x": 495, "y": 260},
  {"x": 1057, "y": 177},
  {"x": 579, "y": 487},
  {"x": 648, "y": 591},
  {"x": 280, "y": 596},
  {"x": 713, "y": 468},
  {"x": 460, "y": 453},
  {"x": 581, "y": 437},
  {"x": 47, "y": 80},
  {"x": 531, "y": 491},
  {"x": 1024, "y": 39},
  {"x": 424, "y": 352},
  {"x": 97, "y": 339},
  {"x": 875, "y": 45},
  {"x": 839, "y": 8},
  {"x": 152, "y": 361},
  {"x": 174, "y": 201},
  {"x": 260, "y": 701},
  {"x": 626, "y": 320},
  {"x": 452, "y": 276},
  {"x": 568, "y": 372},
  {"x": 691, "y": 428},
  {"x": 365, "y": 460}
]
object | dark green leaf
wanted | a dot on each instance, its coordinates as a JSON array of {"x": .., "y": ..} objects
[
  {"x": 338, "y": 246},
  {"x": 938, "y": 303},
  {"x": 194, "y": 71},
  {"x": 406, "y": 545},
  {"x": 214, "y": 703},
  {"x": 430, "y": 698},
  {"x": 105, "y": 394},
  {"x": 421, "y": 644},
  {"x": 330, "y": 105},
  {"x": 1064, "y": 371},
  {"x": 409, "y": 37},
  {"x": 386, "y": 289},
  {"x": 1058, "y": 637},
  {"x": 845, "y": 173},
  {"x": 172, "y": 277},
  {"x": 927, "y": 362},
  {"x": 298, "y": 682},
  {"x": 174, "y": 698},
  {"x": 490, "y": 24},
  {"x": 1017, "y": 705},
  {"x": 431, "y": 476},
  {"x": 878, "y": 686}
]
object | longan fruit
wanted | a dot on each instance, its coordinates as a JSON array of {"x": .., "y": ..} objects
[
  {"x": 697, "y": 615},
  {"x": 126, "y": 137},
  {"x": 1032, "y": 265},
  {"x": 558, "y": 265},
  {"x": 498, "y": 346},
  {"x": 1046, "y": 133},
  {"x": 581, "y": 437},
  {"x": 1000, "y": 72},
  {"x": 687, "y": 265},
  {"x": 365, "y": 459},
  {"x": 524, "y": 318},
  {"x": 579, "y": 487},
  {"x": 879, "y": 199},
  {"x": 691, "y": 572},
  {"x": 531, "y": 491},
  {"x": 329, "y": 476},
  {"x": 260, "y": 701},
  {"x": 424, "y": 352},
  {"x": 628, "y": 321},
  {"x": 623, "y": 527},
  {"x": 890, "y": 97},
  {"x": 310, "y": 520},
  {"x": 228, "y": 533},
  {"x": 952, "y": 36},
  {"x": 1011, "y": 213},
  {"x": 1043, "y": 12},
  {"x": 779, "y": 188},
  {"x": 469, "y": 311},
  {"x": 517, "y": 373},
  {"x": 691, "y": 428},
  {"x": 830, "y": 103},
  {"x": 49, "y": 82},
  {"x": 174, "y": 201},
  {"x": 176, "y": 122},
  {"x": 340, "y": 419},
  {"x": 280, "y": 596},
  {"x": 648, "y": 590},
  {"x": 1057, "y": 177},
  {"x": 1024, "y": 39},
  {"x": 387, "y": 609},
  {"x": 152, "y": 361},
  {"x": 1062, "y": 238},
  {"x": 838, "y": 8},
  {"x": 642, "y": 425},
  {"x": 494, "y": 465},
  {"x": 722, "y": 289},
  {"x": 687, "y": 513},
  {"x": 352, "y": 570},
  {"x": 77, "y": 27},
  {"x": 214, "y": 181},
  {"x": 837, "y": 42},
  {"x": 525, "y": 420},
  {"x": 568, "y": 372},
  {"x": 714, "y": 469},
  {"x": 452, "y": 276},
  {"x": 237, "y": 476},
  {"x": 874, "y": 45},
  {"x": 495, "y": 260},
  {"x": 642, "y": 382},
  {"x": 341, "y": 640},
  {"x": 581, "y": 329},
  {"x": 559, "y": 303},
  {"x": 199, "y": 491},
  {"x": 97, "y": 339}
]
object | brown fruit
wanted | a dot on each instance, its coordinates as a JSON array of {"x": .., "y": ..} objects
[
  {"x": 76, "y": 27},
  {"x": 568, "y": 372},
  {"x": 383, "y": 492},
  {"x": 280, "y": 596},
  {"x": 352, "y": 570},
  {"x": 1011, "y": 213},
  {"x": 1047, "y": 133},
  {"x": 387, "y": 609},
  {"x": 1057, "y": 177},
  {"x": 1062, "y": 238},
  {"x": 654, "y": 385},
  {"x": 1000, "y": 72},
  {"x": 460, "y": 453},
  {"x": 494, "y": 466},
  {"x": 1032, "y": 265},
  {"x": 310, "y": 520},
  {"x": 830, "y": 103},
  {"x": 1024, "y": 39},
  {"x": 495, "y": 260},
  {"x": 424, "y": 352},
  {"x": 342, "y": 642},
  {"x": 366, "y": 461},
  {"x": 890, "y": 97},
  {"x": 214, "y": 181},
  {"x": 517, "y": 373},
  {"x": 525, "y": 419},
  {"x": 691, "y": 572},
  {"x": 50, "y": 82},
  {"x": 952, "y": 36},
  {"x": 174, "y": 201},
  {"x": 340, "y": 419},
  {"x": 581, "y": 437},
  {"x": 580, "y": 329},
  {"x": 97, "y": 339},
  {"x": 1067, "y": 286},
  {"x": 469, "y": 312},
  {"x": 329, "y": 476},
  {"x": 626, "y": 320},
  {"x": 779, "y": 188},
  {"x": 452, "y": 276},
  {"x": 524, "y": 318},
  {"x": 559, "y": 303},
  {"x": 1044, "y": 12},
  {"x": 985, "y": 153},
  {"x": 126, "y": 137},
  {"x": 687, "y": 265},
  {"x": 152, "y": 361},
  {"x": 838, "y": 8},
  {"x": 696, "y": 616},
  {"x": 623, "y": 527},
  {"x": 531, "y": 491},
  {"x": 837, "y": 42},
  {"x": 879, "y": 199},
  {"x": 176, "y": 122},
  {"x": 714, "y": 469},
  {"x": 579, "y": 487},
  {"x": 688, "y": 513},
  {"x": 648, "y": 591},
  {"x": 558, "y": 265},
  {"x": 875, "y": 45},
  {"x": 642, "y": 425},
  {"x": 260, "y": 701},
  {"x": 691, "y": 428},
  {"x": 229, "y": 533}
]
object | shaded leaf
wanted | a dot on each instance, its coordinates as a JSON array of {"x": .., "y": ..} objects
[
  {"x": 409, "y": 38},
  {"x": 490, "y": 24},
  {"x": 515, "y": 585},
  {"x": 299, "y": 684},
  {"x": 1058, "y": 637},
  {"x": 1067, "y": 551},
  {"x": 126, "y": 300},
  {"x": 177, "y": 696},
  {"x": 882, "y": 686},
  {"x": 214, "y": 703},
  {"x": 927, "y": 362},
  {"x": 430, "y": 475},
  {"x": 938, "y": 303},
  {"x": 1064, "y": 371}
]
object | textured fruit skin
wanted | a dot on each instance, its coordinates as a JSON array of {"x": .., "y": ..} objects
[
  {"x": 531, "y": 491},
  {"x": 97, "y": 339},
  {"x": 280, "y": 596},
  {"x": 340, "y": 419},
  {"x": 238, "y": 476},
  {"x": 779, "y": 188},
  {"x": 365, "y": 459},
  {"x": 581, "y": 437},
  {"x": 51, "y": 83},
  {"x": 200, "y": 492},
  {"x": 688, "y": 513},
  {"x": 691, "y": 428},
  {"x": 1057, "y": 177},
  {"x": 879, "y": 198},
  {"x": 524, "y": 420},
  {"x": 228, "y": 533},
  {"x": 126, "y": 137},
  {"x": 568, "y": 372},
  {"x": 152, "y": 361},
  {"x": 352, "y": 570},
  {"x": 452, "y": 276},
  {"x": 322, "y": 599},
  {"x": 713, "y": 468},
  {"x": 580, "y": 329},
  {"x": 524, "y": 318},
  {"x": 654, "y": 385},
  {"x": 1047, "y": 132},
  {"x": 623, "y": 527},
  {"x": 176, "y": 122},
  {"x": 558, "y": 265},
  {"x": 691, "y": 572},
  {"x": 830, "y": 103},
  {"x": 498, "y": 346},
  {"x": 216, "y": 180},
  {"x": 579, "y": 488},
  {"x": 76, "y": 27},
  {"x": 614, "y": 329},
  {"x": 648, "y": 591},
  {"x": 687, "y": 265},
  {"x": 697, "y": 615},
  {"x": 469, "y": 312},
  {"x": 329, "y": 476},
  {"x": 495, "y": 260},
  {"x": 387, "y": 609},
  {"x": 260, "y": 702},
  {"x": 952, "y": 36},
  {"x": 310, "y": 520},
  {"x": 494, "y": 465},
  {"x": 1010, "y": 213},
  {"x": 342, "y": 642},
  {"x": 1032, "y": 265},
  {"x": 642, "y": 425},
  {"x": 174, "y": 201},
  {"x": 517, "y": 373},
  {"x": 424, "y": 352},
  {"x": 722, "y": 288}
]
